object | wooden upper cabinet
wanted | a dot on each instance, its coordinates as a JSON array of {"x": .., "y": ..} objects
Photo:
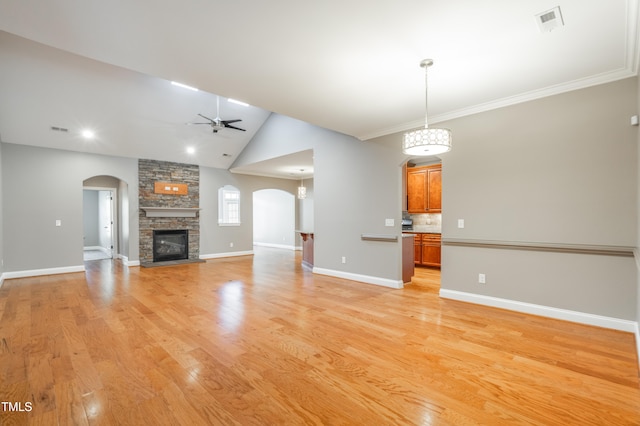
[
  {"x": 416, "y": 190},
  {"x": 434, "y": 189},
  {"x": 424, "y": 189}
]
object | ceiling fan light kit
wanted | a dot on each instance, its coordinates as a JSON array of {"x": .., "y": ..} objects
[{"x": 427, "y": 141}]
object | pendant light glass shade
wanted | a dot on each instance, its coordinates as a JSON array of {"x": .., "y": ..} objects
[
  {"x": 427, "y": 141},
  {"x": 302, "y": 191}
]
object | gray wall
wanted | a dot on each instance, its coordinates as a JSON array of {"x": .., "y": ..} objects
[
  {"x": 53, "y": 180},
  {"x": 91, "y": 235},
  {"x": 46, "y": 185},
  {"x": 216, "y": 240},
  {"x": 563, "y": 170},
  {"x": 1, "y": 216},
  {"x": 560, "y": 170},
  {"x": 637, "y": 245},
  {"x": 356, "y": 187}
]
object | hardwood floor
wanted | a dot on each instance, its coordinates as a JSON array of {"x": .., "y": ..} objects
[{"x": 258, "y": 340}]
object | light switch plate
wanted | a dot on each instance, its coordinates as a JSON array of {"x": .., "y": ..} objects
[
  {"x": 460, "y": 223},
  {"x": 389, "y": 222}
]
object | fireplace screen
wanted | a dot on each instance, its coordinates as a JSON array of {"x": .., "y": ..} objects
[{"x": 170, "y": 245}]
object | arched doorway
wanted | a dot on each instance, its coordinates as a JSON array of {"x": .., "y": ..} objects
[
  {"x": 274, "y": 218},
  {"x": 105, "y": 218}
]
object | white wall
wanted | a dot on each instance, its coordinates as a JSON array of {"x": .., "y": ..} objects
[{"x": 274, "y": 216}]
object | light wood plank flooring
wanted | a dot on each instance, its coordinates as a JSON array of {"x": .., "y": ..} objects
[{"x": 256, "y": 340}]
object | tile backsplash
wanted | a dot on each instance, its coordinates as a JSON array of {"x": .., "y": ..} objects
[{"x": 427, "y": 219}]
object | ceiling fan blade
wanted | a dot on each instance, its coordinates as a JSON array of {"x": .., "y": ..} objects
[
  {"x": 208, "y": 124},
  {"x": 228, "y": 126},
  {"x": 210, "y": 119},
  {"x": 230, "y": 121}
]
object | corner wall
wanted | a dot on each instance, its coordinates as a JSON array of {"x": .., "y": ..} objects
[{"x": 356, "y": 187}]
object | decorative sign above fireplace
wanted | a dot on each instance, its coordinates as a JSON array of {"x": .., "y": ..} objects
[{"x": 169, "y": 188}]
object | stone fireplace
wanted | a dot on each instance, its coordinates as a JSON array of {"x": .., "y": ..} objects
[{"x": 169, "y": 198}]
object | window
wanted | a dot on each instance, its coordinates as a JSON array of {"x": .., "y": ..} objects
[{"x": 228, "y": 206}]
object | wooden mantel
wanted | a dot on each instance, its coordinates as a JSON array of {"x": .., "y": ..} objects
[{"x": 171, "y": 211}]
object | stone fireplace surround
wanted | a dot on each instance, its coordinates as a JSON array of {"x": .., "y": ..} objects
[{"x": 168, "y": 211}]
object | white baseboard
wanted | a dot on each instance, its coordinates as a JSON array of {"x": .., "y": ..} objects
[
  {"x": 545, "y": 311},
  {"x": 385, "y": 282},
  {"x": 228, "y": 254},
  {"x": 1, "y": 279},
  {"x": 126, "y": 262},
  {"x": 280, "y": 246},
  {"x": 99, "y": 248},
  {"x": 47, "y": 271}
]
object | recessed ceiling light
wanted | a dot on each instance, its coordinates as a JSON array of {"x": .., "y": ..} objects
[
  {"x": 191, "y": 150},
  {"x": 235, "y": 101},
  {"x": 184, "y": 86},
  {"x": 88, "y": 134}
]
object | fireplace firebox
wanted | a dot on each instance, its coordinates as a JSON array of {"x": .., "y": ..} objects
[{"x": 170, "y": 244}]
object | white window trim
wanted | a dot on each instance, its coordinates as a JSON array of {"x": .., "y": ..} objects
[{"x": 223, "y": 213}]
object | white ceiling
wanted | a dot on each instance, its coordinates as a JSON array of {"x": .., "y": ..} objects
[{"x": 350, "y": 65}]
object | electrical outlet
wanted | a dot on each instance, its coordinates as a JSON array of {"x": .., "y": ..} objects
[
  {"x": 344, "y": 259},
  {"x": 58, "y": 222},
  {"x": 230, "y": 244},
  {"x": 389, "y": 222},
  {"x": 482, "y": 279},
  {"x": 460, "y": 223}
]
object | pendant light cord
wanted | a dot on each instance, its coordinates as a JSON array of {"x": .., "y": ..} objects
[{"x": 426, "y": 64}]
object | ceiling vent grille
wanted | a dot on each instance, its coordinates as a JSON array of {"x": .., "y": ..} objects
[
  {"x": 550, "y": 20},
  {"x": 59, "y": 129}
]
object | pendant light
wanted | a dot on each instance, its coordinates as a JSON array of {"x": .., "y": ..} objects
[
  {"x": 427, "y": 141},
  {"x": 302, "y": 191}
]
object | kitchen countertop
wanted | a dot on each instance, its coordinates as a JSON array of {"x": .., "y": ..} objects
[{"x": 425, "y": 229}]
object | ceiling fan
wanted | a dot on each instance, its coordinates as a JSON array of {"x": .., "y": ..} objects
[{"x": 218, "y": 123}]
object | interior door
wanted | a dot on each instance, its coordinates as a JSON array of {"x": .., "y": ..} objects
[{"x": 105, "y": 221}]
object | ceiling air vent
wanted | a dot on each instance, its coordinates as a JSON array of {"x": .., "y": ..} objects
[
  {"x": 59, "y": 129},
  {"x": 549, "y": 20}
]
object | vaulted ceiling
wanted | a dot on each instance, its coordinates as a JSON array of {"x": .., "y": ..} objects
[{"x": 351, "y": 66}]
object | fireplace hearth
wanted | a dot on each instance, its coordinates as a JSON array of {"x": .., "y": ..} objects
[{"x": 170, "y": 244}]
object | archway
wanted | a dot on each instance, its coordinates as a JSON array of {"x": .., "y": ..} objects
[
  {"x": 105, "y": 218},
  {"x": 274, "y": 218}
]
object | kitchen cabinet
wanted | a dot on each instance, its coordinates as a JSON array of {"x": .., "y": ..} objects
[
  {"x": 431, "y": 250},
  {"x": 427, "y": 249},
  {"x": 424, "y": 189}
]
